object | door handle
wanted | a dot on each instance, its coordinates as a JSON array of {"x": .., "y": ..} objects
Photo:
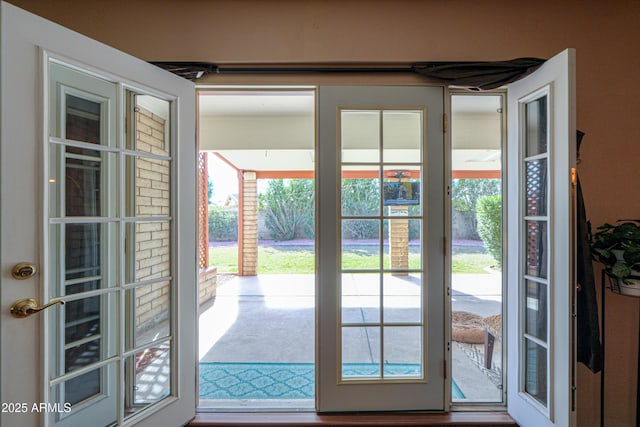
[{"x": 28, "y": 306}]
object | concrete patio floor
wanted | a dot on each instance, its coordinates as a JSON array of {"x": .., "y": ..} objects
[{"x": 270, "y": 319}]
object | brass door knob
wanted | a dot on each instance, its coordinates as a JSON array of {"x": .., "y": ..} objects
[{"x": 28, "y": 306}]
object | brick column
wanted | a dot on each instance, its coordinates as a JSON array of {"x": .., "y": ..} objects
[
  {"x": 249, "y": 239},
  {"x": 399, "y": 238}
]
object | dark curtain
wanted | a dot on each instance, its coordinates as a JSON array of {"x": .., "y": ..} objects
[
  {"x": 588, "y": 326},
  {"x": 478, "y": 76},
  {"x": 188, "y": 70}
]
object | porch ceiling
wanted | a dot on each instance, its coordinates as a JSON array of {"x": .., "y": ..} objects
[
  {"x": 302, "y": 160},
  {"x": 275, "y": 131}
]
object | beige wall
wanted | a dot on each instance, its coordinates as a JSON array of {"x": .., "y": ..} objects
[{"x": 605, "y": 34}]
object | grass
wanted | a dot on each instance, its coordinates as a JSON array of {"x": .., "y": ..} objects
[
  {"x": 225, "y": 258},
  {"x": 300, "y": 259},
  {"x": 471, "y": 263}
]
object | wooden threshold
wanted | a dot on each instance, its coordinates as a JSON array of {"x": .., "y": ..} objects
[{"x": 459, "y": 419}]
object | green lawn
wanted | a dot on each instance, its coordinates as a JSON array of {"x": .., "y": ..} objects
[
  {"x": 471, "y": 263},
  {"x": 225, "y": 258},
  {"x": 300, "y": 259}
]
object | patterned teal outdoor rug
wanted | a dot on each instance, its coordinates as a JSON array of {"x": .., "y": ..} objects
[{"x": 279, "y": 380}]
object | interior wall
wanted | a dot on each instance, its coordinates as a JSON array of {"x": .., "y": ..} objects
[{"x": 605, "y": 35}]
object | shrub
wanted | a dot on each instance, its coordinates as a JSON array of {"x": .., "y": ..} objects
[
  {"x": 489, "y": 215},
  {"x": 289, "y": 208},
  {"x": 358, "y": 229},
  {"x": 464, "y": 197},
  {"x": 223, "y": 224},
  {"x": 360, "y": 197}
]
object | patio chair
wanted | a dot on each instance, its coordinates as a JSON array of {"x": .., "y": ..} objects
[{"x": 492, "y": 331}]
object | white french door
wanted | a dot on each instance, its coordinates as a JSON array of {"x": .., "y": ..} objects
[
  {"x": 541, "y": 156},
  {"x": 380, "y": 174},
  {"x": 98, "y": 211}
]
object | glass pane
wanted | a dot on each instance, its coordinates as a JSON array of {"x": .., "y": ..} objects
[
  {"x": 402, "y": 242},
  {"x": 536, "y": 127},
  {"x": 82, "y": 248},
  {"x": 536, "y": 318},
  {"x": 150, "y": 195},
  {"x": 83, "y": 120},
  {"x": 150, "y": 245},
  {"x": 87, "y": 327},
  {"x": 88, "y": 324},
  {"x": 92, "y": 385},
  {"x": 151, "y": 125},
  {"x": 149, "y": 307},
  {"x": 79, "y": 265},
  {"x": 80, "y": 388},
  {"x": 361, "y": 352},
  {"x": 360, "y": 245},
  {"x": 536, "y": 249},
  {"x": 83, "y": 186},
  {"x": 148, "y": 377},
  {"x": 402, "y": 298},
  {"x": 360, "y": 136},
  {"x": 402, "y": 133},
  {"x": 536, "y": 371},
  {"x": 401, "y": 187},
  {"x": 360, "y": 298},
  {"x": 403, "y": 351},
  {"x": 360, "y": 191},
  {"x": 536, "y": 183},
  {"x": 82, "y": 355}
]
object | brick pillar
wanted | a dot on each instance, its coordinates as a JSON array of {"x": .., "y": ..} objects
[
  {"x": 399, "y": 238},
  {"x": 249, "y": 243}
]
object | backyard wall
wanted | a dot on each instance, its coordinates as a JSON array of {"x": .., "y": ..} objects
[{"x": 605, "y": 35}]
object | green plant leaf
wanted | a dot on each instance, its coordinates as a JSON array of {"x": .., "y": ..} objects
[
  {"x": 605, "y": 256},
  {"x": 632, "y": 256},
  {"x": 625, "y": 237},
  {"x": 620, "y": 270}
]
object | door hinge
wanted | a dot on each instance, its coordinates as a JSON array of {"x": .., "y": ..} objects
[
  {"x": 444, "y": 366},
  {"x": 445, "y": 123}
]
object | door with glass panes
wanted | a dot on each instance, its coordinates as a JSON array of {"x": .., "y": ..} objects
[
  {"x": 380, "y": 178},
  {"x": 96, "y": 148},
  {"x": 540, "y": 262}
]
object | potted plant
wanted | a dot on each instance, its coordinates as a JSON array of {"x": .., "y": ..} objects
[{"x": 618, "y": 248}]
